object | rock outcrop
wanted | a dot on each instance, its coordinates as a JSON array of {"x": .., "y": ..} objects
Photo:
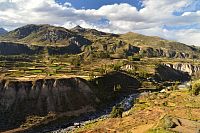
[
  {"x": 151, "y": 52},
  {"x": 185, "y": 67}
]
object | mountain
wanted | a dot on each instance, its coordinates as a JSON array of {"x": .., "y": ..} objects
[
  {"x": 96, "y": 43},
  {"x": 123, "y": 45},
  {"x": 3, "y": 31},
  {"x": 156, "y": 46},
  {"x": 45, "y": 35}
]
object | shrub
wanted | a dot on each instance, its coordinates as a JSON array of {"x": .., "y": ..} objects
[
  {"x": 116, "y": 112},
  {"x": 195, "y": 88},
  {"x": 167, "y": 122},
  {"x": 117, "y": 67},
  {"x": 143, "y": 74},
  {"x": 91, "y": 75},
  {"x": 132, "y": 72},
  {"x": 175, "y": 86},
  {"x": 117, "y": 88},
  {"x": 76, "y": 61},
  {"x": 160, "y": 86},
  {"x": 102, "y": 70},
  {"x": 101, "y": 54},
  {"x": 133, "y": 58},
  {"x": 165, "y": 103}
]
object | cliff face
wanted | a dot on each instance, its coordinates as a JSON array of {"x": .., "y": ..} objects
[
  {"x": 9, "y": 48},
  {"x": 111, "y": 86},
  {"x": 151, "y": 52},
  {"x": 185, "y": 67},
  {"x": 19, "y": 99},
  {"x": 161, "y": 72},
  {"x": 166, "y": 73}
]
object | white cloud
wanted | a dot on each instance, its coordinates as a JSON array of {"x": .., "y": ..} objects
[
  {"x": 190, "y": 36},
  {"x": 122, "y": 17}
]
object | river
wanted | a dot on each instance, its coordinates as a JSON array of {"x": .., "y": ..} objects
[{"x": 126, "y": 103}]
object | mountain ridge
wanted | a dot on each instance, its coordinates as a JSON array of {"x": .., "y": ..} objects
[{"x": 92, "y": 40}]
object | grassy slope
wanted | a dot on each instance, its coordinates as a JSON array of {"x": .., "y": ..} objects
[{"x": 147, "y": 113}]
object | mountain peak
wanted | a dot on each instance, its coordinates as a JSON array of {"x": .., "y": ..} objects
[
  {"x": 78, "y": 28},
  {"x": 3, "y": 31}
]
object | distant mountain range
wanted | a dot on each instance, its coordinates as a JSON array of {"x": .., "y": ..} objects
[
  {"x": 3, "y": 31},
  {"x": 92, "y": 42}
]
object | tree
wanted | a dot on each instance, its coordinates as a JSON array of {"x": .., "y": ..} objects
[
  {"x": 175, "y": 86},
  {"x": 195, "y": 88},
  {"x": 117, "y": 67},
  {"x": 76, "y": 61},
  {"x": 91, "y": 75},
  {"x": 116, "y": 112},
  {"x": 133, "y": 58},
  {"x": 103, "y": 69}
]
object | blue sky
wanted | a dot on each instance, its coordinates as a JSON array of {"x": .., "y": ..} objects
[
  {"x": 192, "y": 7},
  {"x": 95, "y": 4},
  {"x": 177, "y": 20}
]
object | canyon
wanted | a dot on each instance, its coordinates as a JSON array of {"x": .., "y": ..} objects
[{"x": 66, "y": 97}]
